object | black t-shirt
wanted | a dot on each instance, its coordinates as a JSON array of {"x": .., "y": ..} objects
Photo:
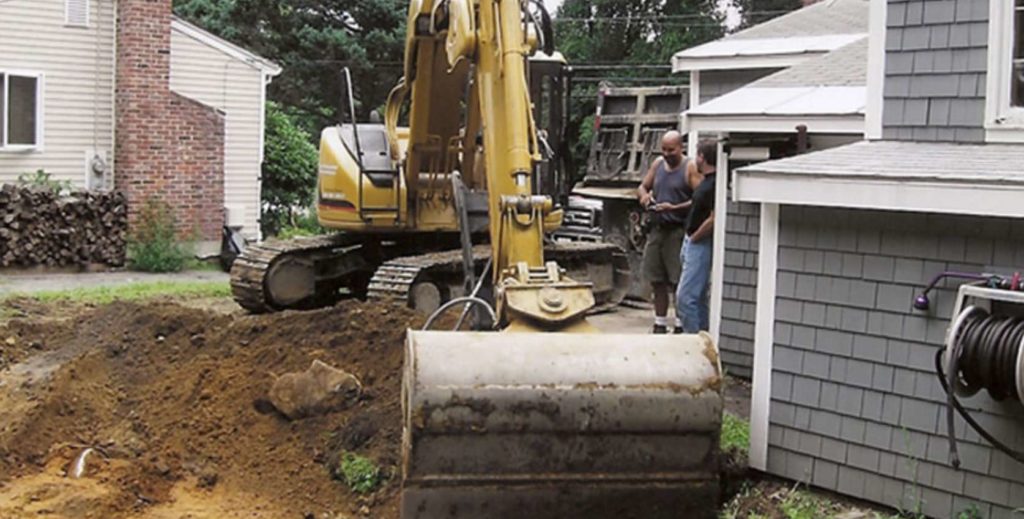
[{"x": 703, "y": 203}]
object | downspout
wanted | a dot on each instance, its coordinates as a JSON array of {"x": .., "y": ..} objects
[{"x": 113, "y": 99}]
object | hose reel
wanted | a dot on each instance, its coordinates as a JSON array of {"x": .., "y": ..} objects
[{"x": 983, "y": 350}]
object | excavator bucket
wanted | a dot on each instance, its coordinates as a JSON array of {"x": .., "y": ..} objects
[{"x": 560, "y": 425}]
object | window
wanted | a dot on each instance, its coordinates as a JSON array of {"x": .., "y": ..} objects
[
  {"x": 76, "y": 13},
  {"x": 1017, "y": 74},
  {"x": 20, "y": 111},
  {"x": 1004, "y": 96}
]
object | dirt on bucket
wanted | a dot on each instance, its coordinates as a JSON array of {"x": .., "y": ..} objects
[{"x": 170, "y": 400}]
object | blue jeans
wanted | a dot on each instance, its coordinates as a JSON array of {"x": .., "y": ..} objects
[{"x": 692, "y": 292}]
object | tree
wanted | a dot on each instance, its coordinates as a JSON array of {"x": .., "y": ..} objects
[
  {"x": 754, "y": 12},
  {"x": 602, "y": 38},
  {"x": 289, "y": 170},
  {"x": 313, "y": 40}
]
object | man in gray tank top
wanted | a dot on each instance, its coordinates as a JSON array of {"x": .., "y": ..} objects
[{"x": 666, "y": 193}]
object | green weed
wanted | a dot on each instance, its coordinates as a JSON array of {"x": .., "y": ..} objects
[
  {"x": 735, "y": 433},
  {"x": 154, "y": 244},
  {"x": 361, "y": 474}
]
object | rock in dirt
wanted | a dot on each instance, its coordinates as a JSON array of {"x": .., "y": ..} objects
[{"x": 319, "y": 390}]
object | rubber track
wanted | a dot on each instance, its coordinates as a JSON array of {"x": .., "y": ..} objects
[
  {"x": 394, "y": 279},
  {"x": 248, "y": 273}
]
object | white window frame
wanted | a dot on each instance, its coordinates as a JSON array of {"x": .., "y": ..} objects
[
  {"x": 67, "y": 14},
  {"x": 1003, "y": 123},
  {"x": 4, "y": 99}
]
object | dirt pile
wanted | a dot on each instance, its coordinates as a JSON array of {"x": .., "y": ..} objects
[{"x": 171, "y": 399}]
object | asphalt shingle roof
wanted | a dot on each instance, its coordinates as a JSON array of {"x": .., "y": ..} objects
[
  {"x": 846, "y": 66},
  {"x": 823, "y": 18}
]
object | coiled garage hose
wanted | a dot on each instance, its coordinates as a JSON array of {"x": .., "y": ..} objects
[{"x": 984, "y": 352}]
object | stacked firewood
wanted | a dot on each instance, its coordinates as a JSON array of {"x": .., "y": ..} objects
[{"x": 41, "y": 227}]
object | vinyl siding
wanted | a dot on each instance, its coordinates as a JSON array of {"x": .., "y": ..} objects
[
  {"x": 216, "y": 79},
  {"x": 77, "y": 64},
  {"x": 935, "y": 67},
  {"x": 856, "y": 406}
]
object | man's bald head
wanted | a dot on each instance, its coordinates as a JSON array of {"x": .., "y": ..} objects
[
  {"x": 672, "y": 148},
  {"x": 672, "y": 137}
]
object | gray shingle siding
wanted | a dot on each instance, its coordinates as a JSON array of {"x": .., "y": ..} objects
[
  {"x": 739, "y": 295},
  {"x": 858, "y": 408},
  {"x": 935, "y": 60}
]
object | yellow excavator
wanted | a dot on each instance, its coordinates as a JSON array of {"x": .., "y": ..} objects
[
  {"x": 543, "y": 416},
  {"x": 410, "y": 200}
]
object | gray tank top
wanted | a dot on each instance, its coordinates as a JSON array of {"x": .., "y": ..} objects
[{"x": 671, "y": 187}]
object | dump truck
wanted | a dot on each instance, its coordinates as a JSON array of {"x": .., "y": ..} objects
[{"x": 603, "y": 207}]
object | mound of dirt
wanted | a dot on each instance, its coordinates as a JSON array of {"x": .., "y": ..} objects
[{"x": 171, "y": 400}]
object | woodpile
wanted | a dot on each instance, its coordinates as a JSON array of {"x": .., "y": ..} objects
[{"x": 40, "y": 227}]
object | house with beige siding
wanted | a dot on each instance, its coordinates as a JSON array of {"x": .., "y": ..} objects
[{"x": 77, "y": 77}]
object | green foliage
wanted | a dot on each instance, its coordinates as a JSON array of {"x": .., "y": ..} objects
[
  {"x": 971, "y": 512},
  {"x": 917, "y": 504},
  {"x": 130, "y": 292},
  {"x": 605, "y": 35},
  {"x": 802, "y": 505},
  {"x": 289, "y": 170},
  {"x": 153, "y": 244},
  {"x": 303, "y": 223},
  {"x": 754, "y": 12},
  {"x": 735, "y": 433},
  {"x": 42, "y": 180},
  {"x": 313, "y": 40},
  {"x": 358, "y": 472}
]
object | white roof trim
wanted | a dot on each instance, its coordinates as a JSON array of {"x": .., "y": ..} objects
[
  {"x": 757, "y": 52},
  {"x": 786, "y": 101},
  {"x": 893, "y": 176},
  {"x": 879, "y": 193},
  {"x": 837, "y": 124},
  {"x": 254, "y": 60}
]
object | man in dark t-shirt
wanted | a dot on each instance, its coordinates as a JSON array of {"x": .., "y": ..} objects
[
  {"x": 666, "y": 193},
  {"x": 692, "y": 292}
]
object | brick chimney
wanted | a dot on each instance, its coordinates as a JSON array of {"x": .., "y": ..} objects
[{"x": 169, "y": 147}]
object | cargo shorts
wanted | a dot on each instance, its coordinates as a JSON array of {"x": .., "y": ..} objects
[{"x": 661, "y": 262}]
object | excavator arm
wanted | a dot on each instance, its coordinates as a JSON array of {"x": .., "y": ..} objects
[
  {"x": 545, "y": 418},
  {"x": 530, "y": 293}
]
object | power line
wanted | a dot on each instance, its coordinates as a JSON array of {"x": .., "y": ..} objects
[
  {"x": 586, "y": 79},
  {"x": 626, "y": 66},
  {"x": 691, "y": 16}
]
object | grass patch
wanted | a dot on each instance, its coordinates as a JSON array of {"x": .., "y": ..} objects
[
  {"x": 735, "y": 433},
  {"x": 130, "y": 292},
  {"x": 360, "y": 473}
]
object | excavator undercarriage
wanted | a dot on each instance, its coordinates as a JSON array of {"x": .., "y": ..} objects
[{"x": 315, "y": 272}]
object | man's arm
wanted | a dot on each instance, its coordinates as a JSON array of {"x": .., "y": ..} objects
[
  {"x": 665, "y": 206},
  {"x": 693, "y": 176},
  {"x": 705, "y": 229},
  {"x": 647, "y": 184}
]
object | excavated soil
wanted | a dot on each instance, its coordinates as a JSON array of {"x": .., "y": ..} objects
[{"x": 171, "y": 400}]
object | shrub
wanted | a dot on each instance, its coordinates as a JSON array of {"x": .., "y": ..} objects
[
  {"x": 153, "y": 244},
  {"x": 289, "y": 170},
  {"x": 41, "y": 180}
]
